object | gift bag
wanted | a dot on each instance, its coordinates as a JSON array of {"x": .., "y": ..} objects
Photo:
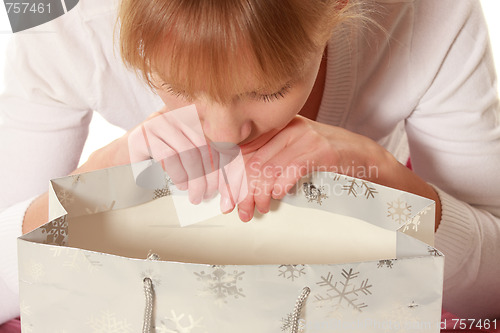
[{"x": 336, "y": 254}]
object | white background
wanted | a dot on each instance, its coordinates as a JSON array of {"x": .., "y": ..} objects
[{"x": 102, "y": 133}]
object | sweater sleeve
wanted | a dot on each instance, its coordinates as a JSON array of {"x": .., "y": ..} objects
[
  {"x": 454, "y": 138},
  {"x": 45, "y": 111}
]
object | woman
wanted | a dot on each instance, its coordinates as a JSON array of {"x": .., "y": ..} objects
[{"x": 294, "y": 84}]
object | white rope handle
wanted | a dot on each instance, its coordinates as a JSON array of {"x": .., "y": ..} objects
[
  {"x": 298, "y": 309},
  {"x": 148, "y": 312},
  {"x": 149, "y": 292}
]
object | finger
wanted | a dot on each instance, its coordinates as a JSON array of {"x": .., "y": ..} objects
[
  {"x": 227, "y": 202},
  {"x": 235, "y": 187},
  {"x": 246, "y": 207},
  {"x": 186, "y": 138},
  {"x": 229, "y": 192},
  {"x": 186, "y": 120},
  {"x": 268, "y": 171},
  {"x": 294, "y": 167},
  {"x": 236, "y": 176},
  {"x": 192, "y": 161},
  {"x": 212, "y": 174},
  {"x": 272, "y": 148},
  {"x": 182, "y": 162},
  {"x": 262, "y": 194},
  {"x": 170, "y": 161},
  {"x": 292, "y": 174},
  {"x": 138, "y": 145}
]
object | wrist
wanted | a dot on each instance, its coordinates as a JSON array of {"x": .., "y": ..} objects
[
  {"x": 36, "y": 214},
  {"x": 113, "y": 154}
]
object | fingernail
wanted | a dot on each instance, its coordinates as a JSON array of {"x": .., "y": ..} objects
[
  {"x": 244, "y": 216},
  {"x": 208, "y": 196},
  {"x": 226, "y": 205},
  {"x": 182, "y": 186},
  {"x": 264, "y": 211},
  {"x": 276, "y": 191},
  {"x": 196, "y": 201}
]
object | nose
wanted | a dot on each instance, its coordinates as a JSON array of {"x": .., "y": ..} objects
[{"x": 224, "y": 123}]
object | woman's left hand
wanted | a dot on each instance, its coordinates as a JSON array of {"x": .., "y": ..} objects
[{"x": 300, "y": 148}]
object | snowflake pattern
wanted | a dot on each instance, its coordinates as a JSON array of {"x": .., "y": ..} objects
[
  {"x": 35, "y": 271},
  {"x": 343, "y": 292},
  {"x": 287, "y": 323},
  {"x": 57, "y": 251},
  {"x": 108, "y": 323},
  {"x": 221, "y": 284},
  {"x": 76, "y": 259},
  {"x": 57, "y": 231},
  {"x": 415, "y": 221},
  {"x": 399, "y": 211},
  {"x": 336, "y": 177},
  {"x": 314, "y": 193},
  {"x": 433, "y": 252},
  {"x": 179, "y": 324},
  {"x": 26, "y": 327},
  {"x": 413, "y": 305},
  {"x": 164, "y": 191},
  {"x": 370, "y": 191},
  {"x": 65, "y": 197},
  {"x": 161, "y": 192},
  {"x": 78, "y": 179},
  {"x": 155, "y": 278},
  {"x": 386, "y": 263},
  {"x": 25, "y": 310},
  {"x": 404, "y": 318},
  {"x": 351, "y": 188},
  {"x": 291, "y": 271}
]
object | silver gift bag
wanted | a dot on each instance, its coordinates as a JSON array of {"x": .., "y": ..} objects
[{"x": 337, "y": 254}]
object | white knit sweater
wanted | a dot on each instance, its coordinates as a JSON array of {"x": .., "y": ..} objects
[{"x": 433, "y": 73}]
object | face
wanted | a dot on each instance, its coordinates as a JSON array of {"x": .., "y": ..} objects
[{"x": 252, "y": 118}]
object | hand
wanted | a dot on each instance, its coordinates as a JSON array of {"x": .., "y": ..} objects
[
  {"x": 301, "y": 147},
  {"x": 176, "y": 140}
]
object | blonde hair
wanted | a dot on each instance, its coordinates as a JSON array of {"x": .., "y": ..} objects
[{"x": 212, "y": 46}]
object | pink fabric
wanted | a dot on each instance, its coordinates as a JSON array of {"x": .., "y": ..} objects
[
  {"x": 408, "y": 164},
  {"x": 13, "y": 326}
]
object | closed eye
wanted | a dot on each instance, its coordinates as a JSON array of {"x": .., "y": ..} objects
[
  {"x": 266, "y": 98},
  {"x": 175, "y": 92},
  {"x": 272, "y": 97}
]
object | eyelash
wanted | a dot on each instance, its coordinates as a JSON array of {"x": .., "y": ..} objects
[
  {"x": 272, "y": 97},
  {"x": 266, "y": 98},
  {"x": 176, "y": 93}
]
